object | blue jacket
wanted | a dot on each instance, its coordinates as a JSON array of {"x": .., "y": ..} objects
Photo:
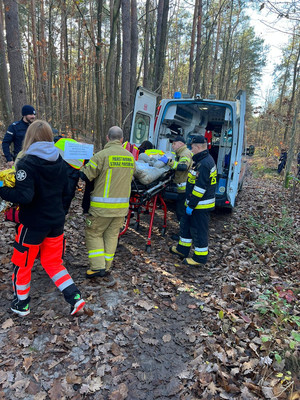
[{"x": 15, "y": 134}]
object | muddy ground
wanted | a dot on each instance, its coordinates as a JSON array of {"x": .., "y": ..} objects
[{"x": 165, "y": 331}]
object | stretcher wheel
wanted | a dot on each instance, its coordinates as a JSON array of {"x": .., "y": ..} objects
[
  {"x": 163, "y": 231},
  {"x": 136, "y": 226},
  {"x": 148, "y": 248}
]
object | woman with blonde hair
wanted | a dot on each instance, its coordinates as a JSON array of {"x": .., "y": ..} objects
[{"x": 42, "y": 192}]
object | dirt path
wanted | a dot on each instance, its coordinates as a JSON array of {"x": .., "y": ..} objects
[{"x": 163, "y": 331}]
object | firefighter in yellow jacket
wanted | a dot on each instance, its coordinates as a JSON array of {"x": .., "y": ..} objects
[
  {"x": 181, "y": 164},
  {"x": 112, "y": 170}
]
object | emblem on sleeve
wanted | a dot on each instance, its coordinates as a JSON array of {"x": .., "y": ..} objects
[{"x": 21, "y": 175}]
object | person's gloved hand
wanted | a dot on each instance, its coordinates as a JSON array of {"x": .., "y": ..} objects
[
  {"x": 164, "y": 159},
  {"x": 189, "y": 210}
]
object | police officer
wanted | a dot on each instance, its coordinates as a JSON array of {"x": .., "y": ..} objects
[
  {"x": 15, "y": 134},
  {"x": 112, "y": 170},
  {"x": 181, "y": 165},
  {"x": 200, "y": 200}
]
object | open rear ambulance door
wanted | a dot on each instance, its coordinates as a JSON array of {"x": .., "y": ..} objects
[
  {"x": 143, "y": 118},
  {"x": 237, "y": 146}
]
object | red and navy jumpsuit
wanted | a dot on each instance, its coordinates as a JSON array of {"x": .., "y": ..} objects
[{"x": 42, "y": 191}]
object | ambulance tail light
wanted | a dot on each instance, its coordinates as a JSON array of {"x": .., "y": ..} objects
[{"x": 157, "y": 113}]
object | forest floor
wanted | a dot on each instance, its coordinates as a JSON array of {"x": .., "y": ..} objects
[{"x": 229, "y": 330}]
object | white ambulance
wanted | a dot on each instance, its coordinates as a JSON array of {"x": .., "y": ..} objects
[{"x": 221, "y": 121}]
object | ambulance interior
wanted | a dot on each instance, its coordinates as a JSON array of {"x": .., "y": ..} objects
[{"x": 212, "y": 120}]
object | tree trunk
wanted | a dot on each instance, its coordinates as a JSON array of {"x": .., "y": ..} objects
[
  {"x": 17, "y": 77},
  {"x": 126, "y": 56},
  {"x": 5, "y": 96},
  {"x": 291, "y": 150},
  {"x": 146, "y": 46},
  {"x": 160, "y": 46},
  {"x": 291, "y": 102},
  {"x": 110, "y": 65},
  {"x": 43, "y": 63},
  {"x": 216, "y": 52},
  {"x": 198, "y": 49},
  {"x": 192, "y": 50},
  {"x": 134, "y": 51},
  {"x": 36, "y": 61}
]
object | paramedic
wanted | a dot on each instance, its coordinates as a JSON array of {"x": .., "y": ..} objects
[
  {"x": 112, "y": 170},
  {"x": 132, "y": 148},
  {"x": 181, "y": 165},
  {"x": 15, "y": 134},
  {"x": 41, "y": 190},
  {"x": 200, "y": 200}
]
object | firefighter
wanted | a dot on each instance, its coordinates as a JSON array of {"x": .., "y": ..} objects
[
  {"x": 112, "y": 171},
  {"x": 181, "y": 164},
  {"x": 200, "y": 200},
  {"x": 42, "y": 190},
  {"x": 15, "y": 134}
]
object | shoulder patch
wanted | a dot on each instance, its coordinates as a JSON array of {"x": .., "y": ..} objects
[{"x": 21, "y": 175}]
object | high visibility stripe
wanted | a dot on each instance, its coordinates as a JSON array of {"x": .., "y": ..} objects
[
  {"x": 153, "y": 152},
  {"x": 23, "y": 296},
  {"x": 201, "y": 251},
  {"x": 213, "y": 169},
  {"x": 23, "y": 287},
  {"x": 107, "y": 183},
  {"x": 109, "y": 205},
  {"x": 109, "y": 257},
  {"x": 183, "y": 159},
  {"x": 92, "y": 164},
  {"x": 185, "y": 242},
  {"x": 174, "y": 166},
  {"x": 197, "y": 191},
  {"x": 205, "y": 205},
  {"x": 11, "y": 133},
  {"x": 65, "y": 284},
  {"x": 59, "y": 275},
  {"x": 109, "y": 200},
  {"x": 96, "y": 253}
]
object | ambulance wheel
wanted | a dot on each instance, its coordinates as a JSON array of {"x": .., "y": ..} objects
[
  {"x": 148, "y": 248},
  {"x": 163, "y": 231},
  {"x": 136, "y": 226}
]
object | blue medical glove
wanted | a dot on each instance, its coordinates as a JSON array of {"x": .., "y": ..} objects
[
  {"x": 189, "y": 210},
  {"x": 164, "y": 159}
]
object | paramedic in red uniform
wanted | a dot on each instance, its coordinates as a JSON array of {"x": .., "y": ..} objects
[
  {"x": 42, "y": 192},
  {"x": 200, "y": 200}
]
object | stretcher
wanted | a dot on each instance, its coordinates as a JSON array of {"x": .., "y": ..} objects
[{"x": 145, "y": 199}]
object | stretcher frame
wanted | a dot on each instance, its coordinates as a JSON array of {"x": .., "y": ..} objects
[{"x": 144, "y": 199}]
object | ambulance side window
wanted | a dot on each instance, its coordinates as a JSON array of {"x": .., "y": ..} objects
[{"x": 141, "y": 128}]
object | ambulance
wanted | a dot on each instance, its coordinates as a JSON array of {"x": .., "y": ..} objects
[{"x": 221, "y": 121}]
